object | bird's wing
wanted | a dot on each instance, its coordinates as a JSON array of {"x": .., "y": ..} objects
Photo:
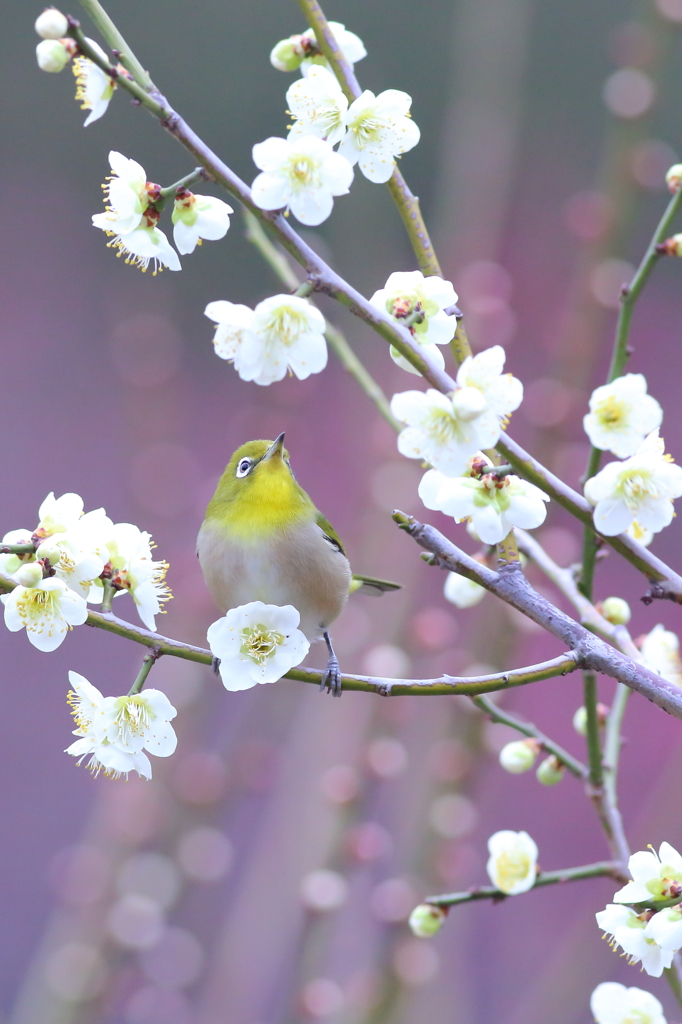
[
  {"x": 371, "y": 585},
  {"x": 329, "y": 532}
]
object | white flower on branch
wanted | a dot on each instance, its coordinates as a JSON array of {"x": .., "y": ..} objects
[
  {"x": 493, "y": 504},
  {"x": 287, "y": 333},
  {"x": 641, "y": 488},
  {"x": 621, "y": 415},
  {"x": 198, "y": 217},
  {"x": 351, "y": 46},
  {"x": 302, "y": 175},
  {"x": 502, "y": 392},
  {"x": 74, "y": 559},
  {"x": 115, "y": 731},
  {"x": 612, "y": 1003},
  {"x": 131, "y": 217},
  {"x": 461, "y": 591},
  {"x": 94, "y": 88},
  {"x": 47, "y": 612},
  {"x": 512, "y": 866},
  {"x": 661, "y": 653},
  {"x": 51, "y": 24},
  {"x": 654, "y": 877},
  {"x": 379, "y": 129},
  {"x": 233, "y": 321},
  {"x": 59, "y": 515},
  {"x": 440, "y": 430},
  {"x": 407, "y": 293},
  {"x": 318, "y": 105},
  {"x": 132, "y": 568},
  {"x": 627, "y": 929},
  {"x": 257, "y": 643},
  {"x": 665, "y": 928}
]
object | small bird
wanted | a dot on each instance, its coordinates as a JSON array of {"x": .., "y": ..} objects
[{"x": 264, "y": 540}]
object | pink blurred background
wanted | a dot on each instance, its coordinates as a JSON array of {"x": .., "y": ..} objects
[{"x": 546, "y": 133}]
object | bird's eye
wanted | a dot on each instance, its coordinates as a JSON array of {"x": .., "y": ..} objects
[{"x": 244, "y": 467}]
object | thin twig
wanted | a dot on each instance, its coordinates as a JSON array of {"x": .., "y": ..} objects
[{"x": 608, "y": 869}]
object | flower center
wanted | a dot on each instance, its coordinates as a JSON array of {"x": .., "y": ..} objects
[
  {"x": 367, "y": 129},
  {"x": 511, "y": 868},
  {"x": 611, "y": 411},
  {"x": 133, "y": 717},
  {"x": 285, "y": 325},
  {"x": 636, "y": 488},
  {"x": 442, "y": 426},
  {"x": 35, "y": 604},
  {"x": 304, "y": 172},
  {"x": 259, "y": 643}
]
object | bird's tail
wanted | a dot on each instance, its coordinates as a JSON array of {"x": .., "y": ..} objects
[{"x": 371, "y": 585}]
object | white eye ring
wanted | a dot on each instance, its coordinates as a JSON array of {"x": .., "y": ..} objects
[{"x": 244, "y": 467}]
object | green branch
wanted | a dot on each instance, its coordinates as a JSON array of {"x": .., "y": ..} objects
[
  {"x": 608, "y": 869},
  {"x": 117, "y": 43},
  {"x": 497, "y": 715}
]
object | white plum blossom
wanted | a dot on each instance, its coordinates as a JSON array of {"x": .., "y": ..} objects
[
  {"x": 612, "y": 1003},
  {"x": 257, "y": 643},
  {"x": 131, "y": 219},
  {"x": 621, "y": 415},
  {"x": 94, "y": 88},
  {"x": 638, "y": 533},
  {"x": 196, "y": 217},
  {"x": 493, "y": 504},
  {"x": 654, "y": 877},
  {"x": 641, "y": 488},
  {"x": 512, "y": 866},
  {"x": 461, "y": 591},
  {"x": 132, "y": 568},
  {"x": 233, "y": 321},
  {"x": 287, "y": 333},
  {"x": 318, "y": 105},
  {"x": 115, "y": 731},
  {"x": 439, "y": 430},
  {"x": 59, "y": 515},
  {"x": 502, "y": 392},
  {"x": 627, "y": 929},
  {"x": 665, "y": 928},
  {"x": 661, "y": 653},
  {"x": 379, "y": 129},
  {"x": 73, "y": 560},
  {"x": 47, "y": 612},
  {"x": 351, "y": 46},
  {"x": 300, "y": 174},
  {"x": 410, "y": 292}
]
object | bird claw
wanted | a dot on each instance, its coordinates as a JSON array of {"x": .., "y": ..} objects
[
  {"x": 215, "y": 665},
  {"x": 331, "y": 680}
]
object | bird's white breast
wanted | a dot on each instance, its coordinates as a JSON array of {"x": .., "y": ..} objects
[{"x": 295, "y": 566}]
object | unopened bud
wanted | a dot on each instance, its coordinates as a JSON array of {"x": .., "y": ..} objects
[
  {"x": 468, "y": 403},
  {"x": 29, "y": 575},
  {"x": 287, "y": 54},
  {"x": 519, "y": 756},
  {"x": 580, "y": 721},
  {"x": 671, "y": 246},
  {"x": 54, "y": 54},
  {"x": 550, "y": 771},
  {"x": 673, "y": 178},
  {"x": 51, "y": 24},
  {"x": 426, "y": 920},
  {"x": 616, "y": 611},
  {"x": 11, "y": 564},
  {"x": 50, "y": 551}
]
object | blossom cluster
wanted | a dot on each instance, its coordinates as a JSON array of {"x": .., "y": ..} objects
[
  {"x": 645, "y": 918},
  {"x": 70, "y": 557}
]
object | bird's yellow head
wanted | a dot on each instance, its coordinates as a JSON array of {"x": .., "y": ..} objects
[{"x": 257, "y": 494}]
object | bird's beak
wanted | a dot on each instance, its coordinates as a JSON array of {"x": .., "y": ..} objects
[{"x": 275, "y": 448}]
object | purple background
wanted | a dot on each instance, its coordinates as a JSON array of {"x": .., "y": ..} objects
[{"x": 111, "y": 389}]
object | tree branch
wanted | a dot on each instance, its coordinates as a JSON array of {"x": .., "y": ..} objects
[{"x": 607, "y": 869}]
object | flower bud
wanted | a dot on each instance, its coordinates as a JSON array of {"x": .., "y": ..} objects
[
  {"x": 11, "y": 564},
  {"x": 671, "y": 246},
  {"x": 468, "y": 403},
  {"x": 51, "y": 24},
  {"x": 50, "y": 551},
  {"x": 518, "y": 756},
  {"x": 287, "y": 54},
  {"x": 54, "y": 54},
  {"x": 30, "y": 575},
  {"x": 426, "y": 920},
  {"x": 550, "y": 771},
  {"x": 616, "y": 611},
  {"x": 673, "y": 178},
  {"x": 580, "y": 721}
]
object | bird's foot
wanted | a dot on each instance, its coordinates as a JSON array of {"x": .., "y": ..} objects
[
  {"x": 331, "y": 680},
  {"x": 215, "y": 665}
]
